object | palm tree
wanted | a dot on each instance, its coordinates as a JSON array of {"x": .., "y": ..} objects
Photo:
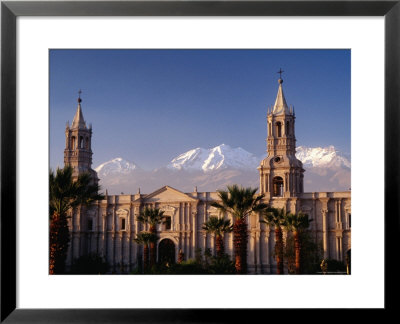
[
  {"x": 145, "y": 239},
  {"x": 151, "y": 216},
  {"x": 218, "y": 226},
  {"x": 297, "y": 223},
  {"x": 65, "y": 195},
  {"x": 240, "y": 203},
  {"x": 276, "y": 217}
]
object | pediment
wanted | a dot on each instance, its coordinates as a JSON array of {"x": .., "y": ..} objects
[{"x": 167, "y": 194}]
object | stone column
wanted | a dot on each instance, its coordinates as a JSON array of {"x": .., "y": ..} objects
[
  {"x": 268, "y": 249},
  {"x": 135, "y": 248},
  {"x": 187, "y": 229},
  {"x": 340, "y": 212},
  {"x": 131, "y": 235},
  {"x": 75, "y": 233},
  {"x": 339, "y": 232},
  {"x": 286, "y": 183},
  {"x": 251, "y": 251},
  {"x": 69, "y": 253},
  {"x": 110, "y": 250},
  {"x": 103, "y": 238},
  {"x": 118, "y": 250},
  {"x": 257, "y": 252},
  {"x": 314, "y": 223},
  {"x": 339, "y": 246},
  {"x": 325, "y": 238},
  {"x": 292, "y": 183},
  {"x": 194, "y": 229}
]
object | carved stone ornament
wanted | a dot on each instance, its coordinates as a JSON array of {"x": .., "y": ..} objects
[
  {"x": 122, "y": 212},
  {"x": 169, "y": 209}
]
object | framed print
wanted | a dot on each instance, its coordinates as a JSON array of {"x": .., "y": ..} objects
[{"x": 34, "y": 37}]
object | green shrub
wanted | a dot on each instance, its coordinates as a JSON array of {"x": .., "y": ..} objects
[
  {"x": 89, "y": 264},
  {"x": 311, "y": 254},
  {"x": 222, "y": 265},
  {"x": 336, "y": 266}
]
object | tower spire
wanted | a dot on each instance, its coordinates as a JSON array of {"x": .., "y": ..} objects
[
  {"x": 280, "y": 106},
  {"x": 78, "y": 121}
]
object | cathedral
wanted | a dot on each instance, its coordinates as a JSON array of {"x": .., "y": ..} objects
[{"x": 109, "y": 226}]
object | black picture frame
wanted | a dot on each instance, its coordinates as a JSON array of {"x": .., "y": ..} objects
[{"x": 10, "y": 10}]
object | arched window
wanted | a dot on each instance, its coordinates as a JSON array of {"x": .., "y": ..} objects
[
  {"x": 287, "y": 128},
  {"x": 86, "y": 143},
  {"x": 270, "y": 129},
  {"x": 277, "y": 185},
  {"x": 81, "y": 142},
  {"x": 278, "y": 129},
  {"x": 73, "y": 142}
]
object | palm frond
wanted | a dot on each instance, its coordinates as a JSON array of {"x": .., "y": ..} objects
[
  {"x": 217, "y": 225},
  {"x": 151, "y": 216},
  {"x": 297, "y": 222},
  {"x": 145, "y": 238}
]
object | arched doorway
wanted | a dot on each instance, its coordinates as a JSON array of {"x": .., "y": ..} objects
[{"x": 166, "y": 251}]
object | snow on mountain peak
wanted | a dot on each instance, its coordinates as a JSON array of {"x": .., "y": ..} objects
[
  {"x": 322, "y": 157},
  {"x": 225, "y": 157},
  {"x": 116, "y": 166},
  {"x": 216, "y": 158}
]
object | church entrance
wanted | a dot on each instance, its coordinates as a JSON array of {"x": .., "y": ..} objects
[{"x": 166, "y": 251}]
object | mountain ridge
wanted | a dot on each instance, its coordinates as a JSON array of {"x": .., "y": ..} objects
[{"x": 327, "y": 169}]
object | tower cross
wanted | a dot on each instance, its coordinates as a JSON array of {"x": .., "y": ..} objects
[
  {"x": 280, "y": 73},
  {"x": 79, "y": 98}
]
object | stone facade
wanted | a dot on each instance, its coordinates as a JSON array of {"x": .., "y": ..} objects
[{"x": 109, "y": 226}]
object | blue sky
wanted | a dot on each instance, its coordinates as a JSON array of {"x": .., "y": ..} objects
[{"x": 148, "y": 106}]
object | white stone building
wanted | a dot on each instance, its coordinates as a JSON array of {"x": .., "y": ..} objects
[{"x": 108, "y": 228}]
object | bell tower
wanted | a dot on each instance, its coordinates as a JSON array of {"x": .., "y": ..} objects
[
  {"x": 78, "y": 145},
  {"x": 281, "y": 173}
]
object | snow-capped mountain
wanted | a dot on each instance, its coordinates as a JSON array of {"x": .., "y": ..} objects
[
  {"x": 115, "y": 166},
  {"x": 322, "y": 157},
  {"x": 216, "y": 158},
  {"x": 327, "y": 169}
]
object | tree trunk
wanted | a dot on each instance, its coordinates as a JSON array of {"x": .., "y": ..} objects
[
  {"x": 153, "y": 247},
  {"x": 59, "y": 241},
  {"x": 219, "y": 245},
  {"x": 145, "y": 258},
  {"x": 279, "y": 250},
  {"x": 240, "y": 243},
  {"x": 297, "y": 249}
]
